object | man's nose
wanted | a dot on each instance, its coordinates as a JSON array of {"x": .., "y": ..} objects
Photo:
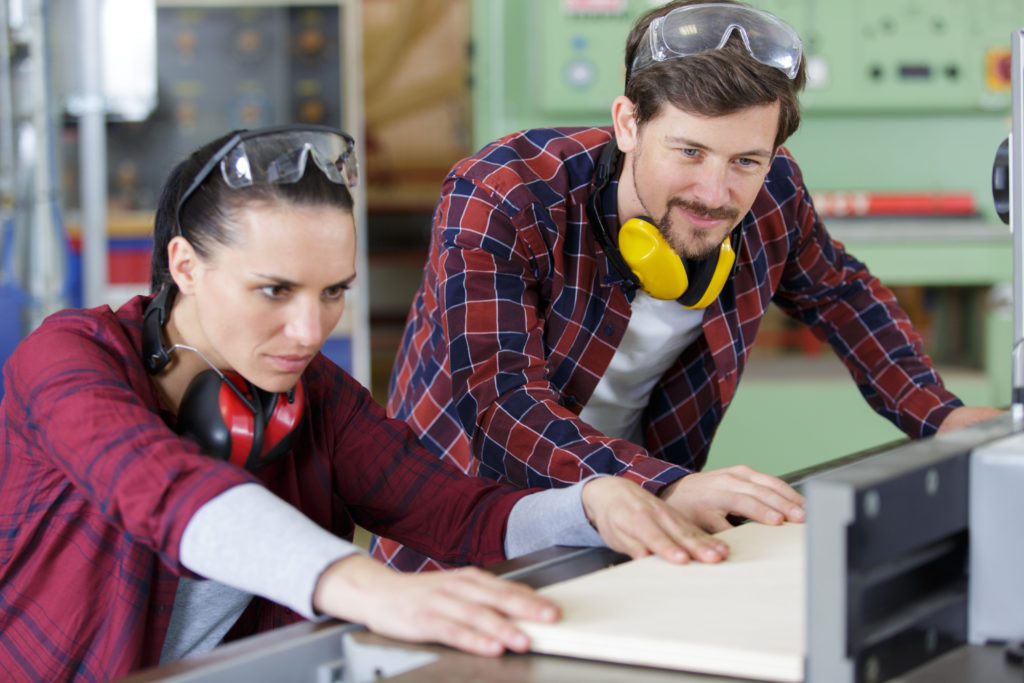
[{"x": 712, "y": 186}]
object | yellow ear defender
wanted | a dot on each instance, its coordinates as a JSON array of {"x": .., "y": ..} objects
[
  {"x": 642, "y": 256},
  {"x": 664, "y": 275}
]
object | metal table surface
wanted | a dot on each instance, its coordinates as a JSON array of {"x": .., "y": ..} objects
[{"x": 338, "y": 652}]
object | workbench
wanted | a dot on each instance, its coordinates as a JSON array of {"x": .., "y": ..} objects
[{"x": 345, "y": 653}]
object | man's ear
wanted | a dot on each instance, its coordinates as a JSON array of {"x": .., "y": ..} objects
[
  {"x": 182, "y": 262},
  {"x": 624, "y": 122}
]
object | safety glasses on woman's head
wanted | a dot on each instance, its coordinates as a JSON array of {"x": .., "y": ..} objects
[
  {"x": 690, "y": 30},
  {"x": 279, "y": 154}
]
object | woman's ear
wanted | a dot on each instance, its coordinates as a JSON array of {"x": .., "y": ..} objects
[
  {"x": 624, "y": 121},
  {"x": 182, "y": 262}
]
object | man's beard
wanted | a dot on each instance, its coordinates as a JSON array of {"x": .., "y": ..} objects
[{"x": 705, "y": 247}]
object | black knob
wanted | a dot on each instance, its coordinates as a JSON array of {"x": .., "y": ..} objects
[{"x": 1001, "y": 181}]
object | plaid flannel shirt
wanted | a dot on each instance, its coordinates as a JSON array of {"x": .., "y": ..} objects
[
  {"x": 519, "y": 313},
  {"x": 96, "y": 490}
]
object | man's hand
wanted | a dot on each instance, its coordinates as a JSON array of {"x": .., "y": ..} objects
[
  {"x": 705, "y": 499},
  {"x": 637, "y": 523},
  {"x": 967, "y": 415},
  {"x": 467, "y": 609}
]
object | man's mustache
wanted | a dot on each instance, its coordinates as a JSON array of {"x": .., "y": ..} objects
[{"x": 704, "y": 211}]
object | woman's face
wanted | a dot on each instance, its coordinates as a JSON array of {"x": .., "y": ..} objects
[{"x": 264, "y": 305}]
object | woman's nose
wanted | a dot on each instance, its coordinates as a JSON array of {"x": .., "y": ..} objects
[{"x": 306, "y": 324}]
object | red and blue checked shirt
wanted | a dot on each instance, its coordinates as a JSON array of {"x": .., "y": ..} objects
[
  {"x": 519, "y": 313},
  {"x": 96, "y": 490}
]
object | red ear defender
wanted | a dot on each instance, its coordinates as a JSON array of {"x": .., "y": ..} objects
[
  {"x": 285, "y": 413},
  {"x": 234, "y": 420}
]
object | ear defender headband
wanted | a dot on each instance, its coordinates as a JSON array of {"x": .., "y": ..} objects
[
  {"x": 228, "y": 416},
  {"x": 644, "y": 258}
]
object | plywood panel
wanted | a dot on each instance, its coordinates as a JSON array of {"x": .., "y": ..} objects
[{"x": 743, "y": 617}]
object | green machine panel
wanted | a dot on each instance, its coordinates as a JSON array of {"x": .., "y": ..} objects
[
  {"x": 564, "y": 59},
  {"x": 907, "y": 55},
  {"x": 578, "y": 62},
  {"x": 902, "y": 95}
]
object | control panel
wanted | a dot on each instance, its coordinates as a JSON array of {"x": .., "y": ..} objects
[
  {"x": 871, "y": 55},
  {"x": 903, "y": 96}
]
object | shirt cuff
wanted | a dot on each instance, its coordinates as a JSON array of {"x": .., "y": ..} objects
[
  {"x": 547, "y": 518},
  {"x": 250, "y": 539}
]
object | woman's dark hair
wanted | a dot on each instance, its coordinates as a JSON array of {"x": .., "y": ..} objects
[
  {"x": 713, "y": 83},
  {"x": 206, "y": 216}
]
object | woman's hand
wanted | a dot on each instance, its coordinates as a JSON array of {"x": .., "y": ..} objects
[
  {"x": 467, "y": 609},
  {"x": 638, "y": 523}
]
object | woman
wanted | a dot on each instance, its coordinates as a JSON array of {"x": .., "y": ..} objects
[{"x": 189, "y": 468}]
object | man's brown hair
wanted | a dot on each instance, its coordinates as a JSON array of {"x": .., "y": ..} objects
[{"x": 713, "y": 83}]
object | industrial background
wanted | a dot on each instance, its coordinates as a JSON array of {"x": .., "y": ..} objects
[{"x": 907, "y": 103}]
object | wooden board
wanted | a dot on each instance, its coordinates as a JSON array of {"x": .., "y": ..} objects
[{"x": 743, "y": 617}]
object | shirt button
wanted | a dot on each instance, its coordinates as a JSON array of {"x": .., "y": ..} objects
[
  {"x": 570, "y": 400},
  {"x": 608, "y": 330}
]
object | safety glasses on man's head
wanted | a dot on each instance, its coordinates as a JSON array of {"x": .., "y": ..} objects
[{"x": 693, "y": 29}]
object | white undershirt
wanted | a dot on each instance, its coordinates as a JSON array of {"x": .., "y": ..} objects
[{"x": 657, "y": 333}]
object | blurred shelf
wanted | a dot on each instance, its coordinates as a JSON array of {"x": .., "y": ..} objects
[
  {"x": 119, "y": 224},
  {"x": 404, "y": 197},
  {"x": 793, "y": 411},
  {"x": 928, "y": 251}
]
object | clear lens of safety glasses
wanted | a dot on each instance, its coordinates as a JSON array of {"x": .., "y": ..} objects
[
  {"x": 282, "y": 157},
  {"x": 694, "y": 29},
  {"x": 279, "y": 154}
]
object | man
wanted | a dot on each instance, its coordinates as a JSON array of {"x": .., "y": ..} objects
[{"x": 553, "y": 338}]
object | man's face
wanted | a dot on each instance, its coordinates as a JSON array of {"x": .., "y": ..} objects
[{"x": 697, "y": 176}]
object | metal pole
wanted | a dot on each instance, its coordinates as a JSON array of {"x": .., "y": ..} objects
[
  {"x": 353, "y": 114},
  {"x": 92, "y": 130},
  {"x": 46, "y": 261},
  {"x": 1017, "y": 222},
  {"x": 6, "y": 124}
]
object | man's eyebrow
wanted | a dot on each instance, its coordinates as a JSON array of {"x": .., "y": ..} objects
[{"x": 700, "y": 145}]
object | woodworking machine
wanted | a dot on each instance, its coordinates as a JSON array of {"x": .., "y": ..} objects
[{"x": 914, "y": 575}]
